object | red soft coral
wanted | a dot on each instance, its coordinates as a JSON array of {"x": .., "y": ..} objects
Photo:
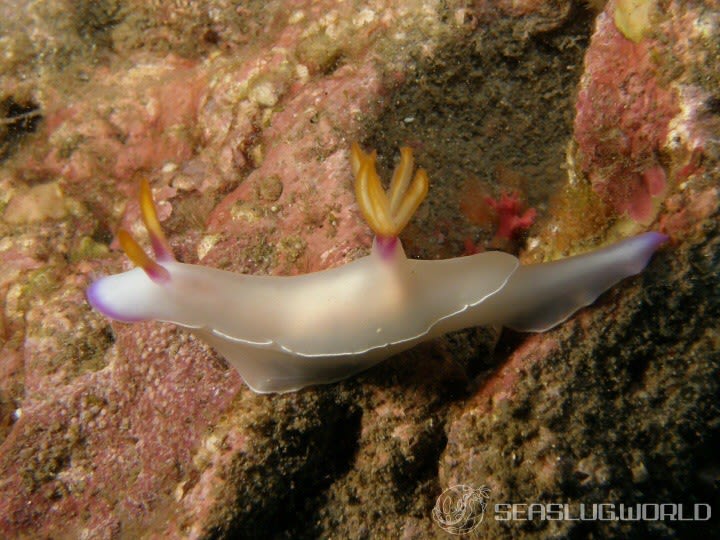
[{"x": 512, "y": 216}]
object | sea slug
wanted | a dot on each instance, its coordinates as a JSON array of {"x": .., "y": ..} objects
[{"x": 285, "y": 333}]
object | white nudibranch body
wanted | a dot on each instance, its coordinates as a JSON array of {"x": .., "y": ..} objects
[{"x": 285, "y": 333}]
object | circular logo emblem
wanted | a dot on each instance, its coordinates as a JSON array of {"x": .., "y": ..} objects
[{"x": 459, "y": 509}]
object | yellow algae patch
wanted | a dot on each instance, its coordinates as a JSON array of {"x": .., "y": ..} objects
[{"x": 632, "y": 17}]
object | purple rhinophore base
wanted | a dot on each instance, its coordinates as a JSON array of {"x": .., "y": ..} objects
[
  {"x": 158, "y": 274},
  {"x": 386, "y": 246},
  {"x": 161, "y": 250}
]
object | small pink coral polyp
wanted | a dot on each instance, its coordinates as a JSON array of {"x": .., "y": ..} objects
[{"x": 651, "y": 184}]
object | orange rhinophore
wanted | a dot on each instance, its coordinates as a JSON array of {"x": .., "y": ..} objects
[
  {"x": 141, "y": 259},
  {"x": 160, "y": 245},
  {"x": 387, "y": 213}
]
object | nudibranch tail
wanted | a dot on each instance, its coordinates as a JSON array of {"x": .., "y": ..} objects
[
  {"x": 387, "y": 213},
  {"x": 160, "y": 245},
  {"x": 141, "y": 259}
]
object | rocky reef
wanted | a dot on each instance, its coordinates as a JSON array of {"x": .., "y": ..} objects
[{"x": 603, "y": 118}]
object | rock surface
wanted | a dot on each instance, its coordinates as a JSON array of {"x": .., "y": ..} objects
[{"x": 241, "y": 118}]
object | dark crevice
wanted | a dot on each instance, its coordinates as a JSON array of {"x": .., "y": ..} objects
[
  {"x": 487, "y": 113},
  {"x": 316, "y": 459},
  {"x": 17, "y": 119}
]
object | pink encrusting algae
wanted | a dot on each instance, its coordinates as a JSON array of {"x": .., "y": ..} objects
[{"x": 623, "y": 120}]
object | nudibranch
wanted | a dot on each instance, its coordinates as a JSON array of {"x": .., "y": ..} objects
[{"x": 285, "y": 333}]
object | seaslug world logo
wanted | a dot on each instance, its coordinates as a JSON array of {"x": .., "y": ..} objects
[{"x": 460, "y": 509}]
